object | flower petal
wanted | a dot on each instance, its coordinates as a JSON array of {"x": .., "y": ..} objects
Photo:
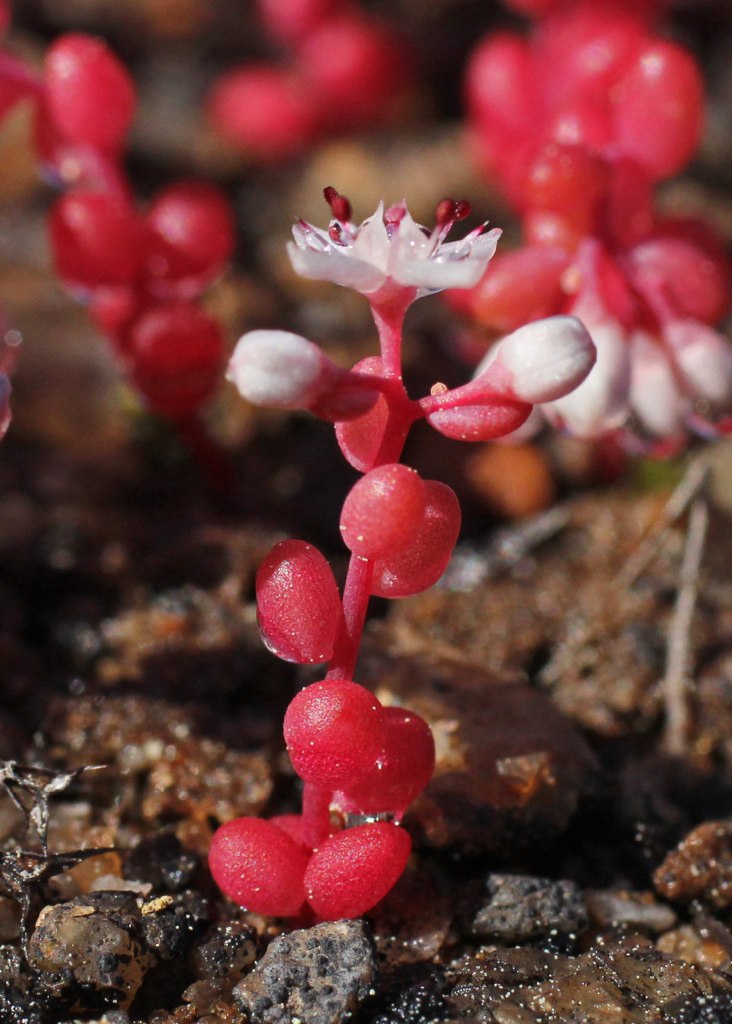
[{"x": 338, "y": 266}]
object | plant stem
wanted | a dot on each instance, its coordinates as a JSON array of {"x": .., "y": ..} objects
[
  {"x": 356, "y": 594},
  {"x": 315, "y": 815},
  {"x": 388, "y": 314},
  {"x": 210, "y": 458}
]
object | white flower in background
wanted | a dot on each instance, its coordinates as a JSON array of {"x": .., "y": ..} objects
[{"x": 391, "y": 248}]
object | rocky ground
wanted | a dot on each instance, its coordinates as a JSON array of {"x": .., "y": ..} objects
[{"x": 573, "y": 854}]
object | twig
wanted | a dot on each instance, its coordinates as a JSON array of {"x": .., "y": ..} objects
[
  {"x": 690, "y": 486},
  {"x": 582, "y": 629},
  {"x": 470, "y": 567},
  {"x": 676, "y": 680}
]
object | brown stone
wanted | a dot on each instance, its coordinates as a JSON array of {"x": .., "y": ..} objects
[
  {"x": 510, "y": 768},
  {"x": 700, "y": 866}
]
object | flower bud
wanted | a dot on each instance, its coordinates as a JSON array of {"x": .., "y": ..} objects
[
  {"x": 285, "y": 371},
  {"x": 704, "y": 359},
  {"x": 278, "y": 369},
  {"x": 540, "y": 362},
  {"x": 600, "y": 403}
]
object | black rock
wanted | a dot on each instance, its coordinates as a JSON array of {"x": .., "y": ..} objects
[
  {"x": 320, "y": 975},
  {"x": 225, "y": 951},
  {"x": 414, "y": 996},
  {"x": 520, "y": 908},
  {"x": 171, "y": 924}
]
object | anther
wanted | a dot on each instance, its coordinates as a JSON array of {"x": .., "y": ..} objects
[{"x": 339, "y": 205}]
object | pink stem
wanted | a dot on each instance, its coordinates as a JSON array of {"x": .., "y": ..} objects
[
  {"x": 210, "y": 458},
  {"x": 389, "y": 319},
  {"x": 356, "y": 593},
  {"x": 315, "y": 815}
]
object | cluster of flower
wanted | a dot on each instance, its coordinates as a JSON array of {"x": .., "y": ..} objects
[
  {"x": 355, "y": 756},
  {"x": 579, "y": 121},
  {"x": 141, "y": 273},
  {"x": 343, "y": 68}
]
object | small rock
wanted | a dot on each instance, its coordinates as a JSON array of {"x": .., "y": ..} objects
[
  {"x": 610, "y": 908},
  {"x": 171, "y": 924},
  {"x": 700, "y": 866},
  {"x": 605, "y": 986},
  {"x": 510, "y": 768},
  {"x": 686, "y": 943},
  {"x": 225, "y": 951},
  {"x": 90, "y": 952},
  {"x": 520, "y": 908},
  {"x": 318, "y": 975}
]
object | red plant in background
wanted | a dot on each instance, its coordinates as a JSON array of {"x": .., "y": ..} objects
[
  {"x": 343, "y": 68},
  {"x": 141, "y": 271},
  {"x": 579, "y": 121},
  {"x": 355, "y": 756}
]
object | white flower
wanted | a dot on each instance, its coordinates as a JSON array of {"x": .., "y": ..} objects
[{"x": 392, "y": 248}]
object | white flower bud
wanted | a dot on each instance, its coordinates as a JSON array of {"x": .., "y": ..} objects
[
  {"x": 278, "y": 369},
  {"x": 542, "y": 361}
]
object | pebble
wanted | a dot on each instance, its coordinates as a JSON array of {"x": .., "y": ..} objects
[
  {"x": 699, "y": 867},
  {"x": 605, "y": 986},
  {"x": 510, "y": 768},
  {"x": 610, "y": 908},
  {"x": 520, "y": 908},
  {"x": 318, "y": 975},
  {"x": 90, "y": 952},
  {"x": 225, "y": 951}
]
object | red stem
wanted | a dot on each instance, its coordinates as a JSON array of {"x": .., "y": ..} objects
[
  {"x": 210, "y": 458},
  {"x": 356, "y": 593},
  {"x": 315, "y": 815}
]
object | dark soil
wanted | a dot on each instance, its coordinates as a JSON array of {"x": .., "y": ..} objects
[{"x": 573, "y": 861}]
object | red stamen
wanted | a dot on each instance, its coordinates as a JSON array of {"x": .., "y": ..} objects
[
  {"x": 461, "y": 209},
  {"x": 340, "y": 206},
  {"x": 444, "y": 212},
  {"x": 450, "y": 210}
]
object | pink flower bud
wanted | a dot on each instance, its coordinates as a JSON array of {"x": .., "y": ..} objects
[
  {"x": 600, "y": 403},
  {"x": 540, "y": 362},
  {"x": 655, "y": 396},
  {"x": 286, "y": 371},
  {"x": 704, "y": 359}
]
